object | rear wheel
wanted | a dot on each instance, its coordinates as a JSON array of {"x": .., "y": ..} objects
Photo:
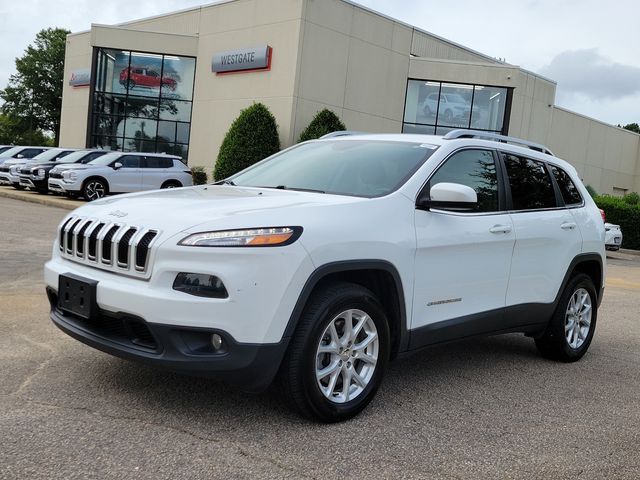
[
  {"x": 171, "y": 184},
  {"x": 573, "y": 324},
  {"x": 93, "y": 189},
  {"x": 338, "y": 354}
]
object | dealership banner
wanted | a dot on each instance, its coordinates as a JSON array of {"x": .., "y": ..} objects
[
  {"x": 80, "y": 77},
  {"x": 242, "y": 59}
]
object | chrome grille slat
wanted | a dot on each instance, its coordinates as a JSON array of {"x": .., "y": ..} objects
[{"x": 113, "y": 246}]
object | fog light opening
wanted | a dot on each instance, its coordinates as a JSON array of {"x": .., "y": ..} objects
[
  {"x": 200, "y": 285},
  {"x": 216, "y": 342}
]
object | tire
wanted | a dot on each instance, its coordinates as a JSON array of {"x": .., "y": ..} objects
[
  {"x": 300, "y": 376},
  {"x": 562, "y": 341},
  {"x": 93, "y": 189},
  {"x": 448, "y": 116},
  {"x": 17, "y": 186},
  {"x": 171, "y": 184}
]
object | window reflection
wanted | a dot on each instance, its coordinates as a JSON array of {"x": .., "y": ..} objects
[
  {"x": 441, "y": 107},
  {"x": 142, "y": 101}
]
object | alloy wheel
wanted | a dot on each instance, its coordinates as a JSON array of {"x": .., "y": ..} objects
[
  {"x": 578, "y": 318},
  {"x": 94, "y": 190},
  {"x": 347, "y": 355}
]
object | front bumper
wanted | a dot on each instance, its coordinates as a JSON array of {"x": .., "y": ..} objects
[
  {"x": 31, "y": 182},
  {"x": 60, "y": 186},
  {"x": 251, "y": 367},
  {"x": 5, "y": 179}
]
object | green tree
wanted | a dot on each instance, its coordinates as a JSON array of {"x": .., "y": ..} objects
[
  {"x": 251, "y": 137},
  {"x": 324, "y": 122},
  {"x": 33, "y": 97},
  {"x": 634, "y": 127},
  {"x": 15, "y": 131}
]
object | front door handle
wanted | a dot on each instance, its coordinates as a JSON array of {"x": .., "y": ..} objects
[
  {"x": 500, "y": 229},
  {"x": 568, "y": 225}
]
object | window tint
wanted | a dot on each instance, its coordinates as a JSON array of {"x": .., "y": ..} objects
[
  {"x": 157, "y": 162},
  {"x": 475, "y": 169},
  {"x": 130, "y": 161},
  {"x": 31, "y": 152},
  {"x": 92, "y": 156},
  {"x": 530, "y": 183},
  {"x": 570, "y": 193}
]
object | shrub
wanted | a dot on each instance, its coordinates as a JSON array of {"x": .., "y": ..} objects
[
  {"x": 632, "y": 198},
  {"x": 199, "y": 175},
  {"x": 627, "y": 216},
  {"x": 324, "y": 122},
  {"x": 251, "y": 137},
  {"x": 592, "y": 191}
]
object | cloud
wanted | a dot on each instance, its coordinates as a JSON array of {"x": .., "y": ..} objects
[{"x": 588, "y": 73}]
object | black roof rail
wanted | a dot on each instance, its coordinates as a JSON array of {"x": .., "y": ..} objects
[
  {"x": 342, "y": 133},
  {"x": 460, "y": 133}
]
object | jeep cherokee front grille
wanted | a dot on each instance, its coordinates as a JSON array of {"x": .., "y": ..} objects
[{"x": 107, "y": 245}]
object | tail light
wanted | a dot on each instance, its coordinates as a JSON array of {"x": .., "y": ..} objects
[{"x": 604, "y": 216}]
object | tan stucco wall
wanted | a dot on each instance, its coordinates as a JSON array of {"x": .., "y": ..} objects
[{"x": 75, "y": 100}]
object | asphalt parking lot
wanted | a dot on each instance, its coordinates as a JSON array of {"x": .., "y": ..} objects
[{"x": 483, "y": 408}]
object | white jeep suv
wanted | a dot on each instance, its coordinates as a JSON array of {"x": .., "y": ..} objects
[
  {"x": 321, "y": 263},
  {"x": 119, "y": 172}
]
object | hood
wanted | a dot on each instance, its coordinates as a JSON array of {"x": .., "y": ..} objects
[
  {"x": 15, "y": 161},
  {"x": 74, "y": 166},
  {"x": 214, "y": 207}
]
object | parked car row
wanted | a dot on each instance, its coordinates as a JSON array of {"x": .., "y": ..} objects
[{"x": 91, "y": 174}]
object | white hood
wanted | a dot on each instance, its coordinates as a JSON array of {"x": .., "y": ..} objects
[{"x": 211, "y": 207}]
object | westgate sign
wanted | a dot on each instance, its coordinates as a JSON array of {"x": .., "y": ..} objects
[
  {"x": 242, "y": 60},
  {"x": 80, "y": 78}
]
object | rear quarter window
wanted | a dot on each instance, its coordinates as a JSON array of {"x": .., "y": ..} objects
[
  {"x": 530, "y": 183},
  {"x": 568, "y": 189}
]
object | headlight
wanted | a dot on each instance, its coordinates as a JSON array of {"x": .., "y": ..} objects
[
  {"x": 40, "y": 172},
  {"x": 254, "y": 237},
  {"x": 73, "y": 176}
]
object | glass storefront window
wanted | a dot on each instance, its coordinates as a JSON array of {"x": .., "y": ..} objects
[
  {"x": 436, "y": 107},
  {"x": 142, "y": 101}
]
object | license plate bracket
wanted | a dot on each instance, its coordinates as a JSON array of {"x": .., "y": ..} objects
[{"x": 77, "y": 296}]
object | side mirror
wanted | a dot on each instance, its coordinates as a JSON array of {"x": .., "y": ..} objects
[
  {"x": 449, "y": 196},
  {"x": 117, "y": 166},
  {"x": 19, "y": 155}
]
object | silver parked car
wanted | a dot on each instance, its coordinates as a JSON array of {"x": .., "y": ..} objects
[{"x": 120, "y": 172}]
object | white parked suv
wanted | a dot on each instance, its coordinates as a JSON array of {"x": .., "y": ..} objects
[
  {"x": 119, "y": 172},
  {"x": 321, "y": 263}
]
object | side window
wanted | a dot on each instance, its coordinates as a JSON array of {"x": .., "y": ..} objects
[
  {"x": 531, "y": 186},
  {"x": 157, "y": 162},
  {"x": 130, "y": 161},
  {"x": 568, "y": 189},
  {"x": 92, "y": 156},
  {"x": 31, "y": 152},
  {"x": 475, "y": 169}
]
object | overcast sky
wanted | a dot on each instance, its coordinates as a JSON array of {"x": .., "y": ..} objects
[{"x": 590, "y": 47}]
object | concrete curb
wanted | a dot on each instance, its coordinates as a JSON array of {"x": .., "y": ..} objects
[
  {"x": 629, "y": 252},
  {"x": 33, "y": 197}
]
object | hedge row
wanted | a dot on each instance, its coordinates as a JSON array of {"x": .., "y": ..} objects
[{"x": 620, "y": 212}]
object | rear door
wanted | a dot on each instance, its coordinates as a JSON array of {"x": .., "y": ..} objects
[
  {"x": 547, "y": 235},
  {"x": 155, "y": 171}
]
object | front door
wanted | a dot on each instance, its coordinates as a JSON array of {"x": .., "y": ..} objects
[
  {"x": 127, "y": 178},
  {"x": 463, "y": 258}
]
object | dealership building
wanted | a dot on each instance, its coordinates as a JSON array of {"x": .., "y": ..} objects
[{"x": 174, "y": 83}]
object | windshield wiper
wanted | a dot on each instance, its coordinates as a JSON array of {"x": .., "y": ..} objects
[
  {"x": 284, "y": 187},
  {"x": 225, "y": 182}
]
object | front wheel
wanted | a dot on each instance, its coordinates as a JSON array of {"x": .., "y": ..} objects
[
  {"x": 573, "y": 324},
  {"x": 94, "y": 189},
  {"x": 336, "y": 359}
]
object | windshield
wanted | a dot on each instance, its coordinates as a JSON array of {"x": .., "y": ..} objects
[
  {"x": 73, "y": 157},
  {"x": 106, "y": 159},
  {"x": 365, "y": 168},
  {"x": 4, "y": 149},
  {"x": 11, "y": 152},
  {"x": 49, "y": 155}
]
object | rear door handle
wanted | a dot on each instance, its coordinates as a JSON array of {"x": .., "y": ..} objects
[
  {"x": 568, "y": 225},
  {"x": 500, "y": 229}
]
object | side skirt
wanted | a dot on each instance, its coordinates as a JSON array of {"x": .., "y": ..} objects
[{"x": 530, "y": 319}]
